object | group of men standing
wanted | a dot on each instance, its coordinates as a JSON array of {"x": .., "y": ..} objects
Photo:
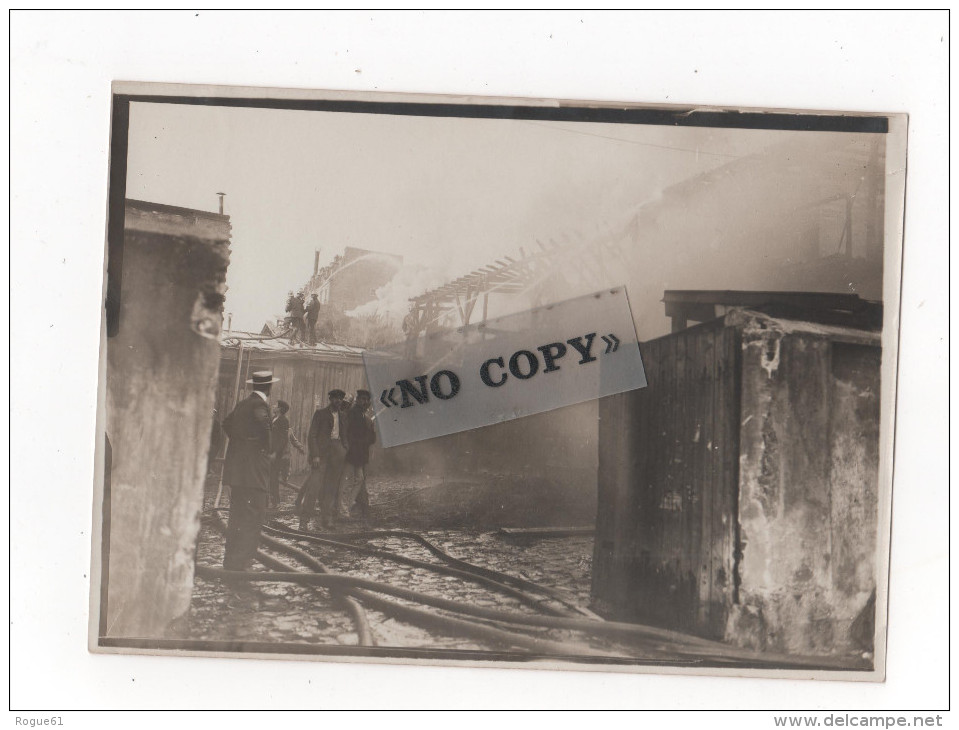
[
  {"x": 339, "y": 449},
  {"x": 303, "y": 317},
  {"x": 257, "y": 459}
]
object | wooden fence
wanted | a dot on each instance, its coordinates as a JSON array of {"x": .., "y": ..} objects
[{"x": 667, "y": 485}]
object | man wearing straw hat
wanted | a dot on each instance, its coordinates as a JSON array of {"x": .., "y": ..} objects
[{"x": 247, "y": 470}]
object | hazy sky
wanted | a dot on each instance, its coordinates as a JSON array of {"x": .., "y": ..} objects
[{"x": 448, "y": 195}]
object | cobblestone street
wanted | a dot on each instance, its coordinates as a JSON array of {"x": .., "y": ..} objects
[{"x": 290, "y": 613}]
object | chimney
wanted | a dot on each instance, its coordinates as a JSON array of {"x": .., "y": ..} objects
[
  {"x": 222, "y": 195},
  {"x": 229, "y": 321},
  {"x": 316, "y": 262}
]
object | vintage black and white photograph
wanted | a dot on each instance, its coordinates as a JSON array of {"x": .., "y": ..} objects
[{"x": 722, "y": 507}]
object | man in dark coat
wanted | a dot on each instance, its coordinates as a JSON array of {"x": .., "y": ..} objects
[
  {"x": 282, "y": 437},
  {"x": 360, "y": 435},
  {"x": 312, "y": 315},
  {"x": 247, "y": 471},
  {"x": 297, "y": 312},
  {"x": 326, "y": 450}
]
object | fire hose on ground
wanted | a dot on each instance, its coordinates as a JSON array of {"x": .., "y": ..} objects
[
  {"x": 698, "y": 650},
  {"x": 475, "y": 573},
  {"x": 353, "y": 607},
  {"x": 661, "y": 642},
  {"x": 286, "y": 573},
  {"x": 441, "y": 554}
]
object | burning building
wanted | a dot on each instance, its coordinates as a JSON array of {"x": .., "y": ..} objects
[{"x": 352, "y": 278}]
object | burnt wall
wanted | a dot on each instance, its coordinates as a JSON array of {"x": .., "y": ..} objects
[
  {"x": 808, "y": 486},
  {"x": 780, "y": 216},
  {"x": 738, "y": 491},
  {"x": 358, "y": 278}
]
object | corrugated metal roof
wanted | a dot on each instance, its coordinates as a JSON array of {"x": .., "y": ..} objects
[{"x": 282, "y": 346}]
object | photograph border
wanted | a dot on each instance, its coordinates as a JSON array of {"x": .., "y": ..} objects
[{"x": 891, "y": 124}]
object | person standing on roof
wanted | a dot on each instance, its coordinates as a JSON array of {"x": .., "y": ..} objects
[
  {"x": 312, "y": 315},
  {"x": 297, "y": 311}
]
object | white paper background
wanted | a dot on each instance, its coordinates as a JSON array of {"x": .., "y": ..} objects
[{"x": 61, "y": 68}]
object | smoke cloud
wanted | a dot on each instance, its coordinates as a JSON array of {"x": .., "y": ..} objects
[{"x": 392, "y": 299}]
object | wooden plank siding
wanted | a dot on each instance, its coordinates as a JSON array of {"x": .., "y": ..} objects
[{"x": 666, "y": 524}]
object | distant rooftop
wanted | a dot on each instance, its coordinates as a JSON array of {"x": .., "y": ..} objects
[
  {"x": 702, "y": 305},
  {"x": 281, "y": 346},
  {"x": 171, "y": 220},
  {"x": 174, "y": 209}
]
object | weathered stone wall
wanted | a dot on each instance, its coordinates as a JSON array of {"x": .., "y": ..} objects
[
  {"x": 808, "y": 484},
  {"x": 161, "y": 375},
  {"x": 738, "y": 491}
]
